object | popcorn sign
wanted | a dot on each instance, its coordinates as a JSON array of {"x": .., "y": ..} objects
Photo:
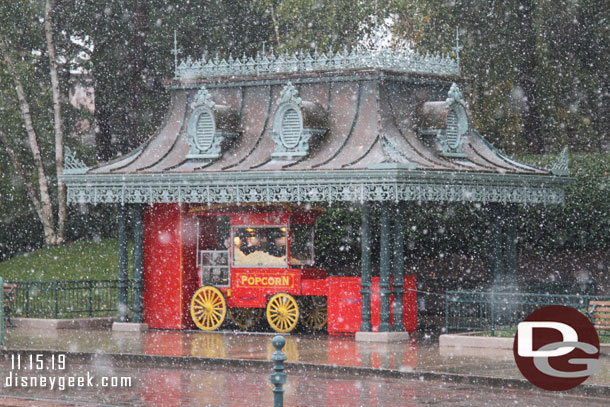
[{"x": 260, "y": 280}]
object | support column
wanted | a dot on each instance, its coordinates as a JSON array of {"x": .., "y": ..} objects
[
  {"x": 494, "y": 254},
  {"x": 399, "y": 266},
  {"x": 123, "y": 264},
  {"x": 138, "y": 261},
  {"x": 510, "y": 245},
  {"x": 502, "y": 250},
  {"x": 365, "y": 280},
  {"x": 384, "y": 269}
]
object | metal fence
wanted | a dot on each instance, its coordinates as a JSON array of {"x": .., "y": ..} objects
[
  {"x": 431, "y": 293},
  {"x": 501, "y": 311},
  {"x": 66, "y": 299}
]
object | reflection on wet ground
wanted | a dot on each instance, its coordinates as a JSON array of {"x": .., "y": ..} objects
[
  {"x": 418, "y": 355},
  {"x": 170, "y": 387}
]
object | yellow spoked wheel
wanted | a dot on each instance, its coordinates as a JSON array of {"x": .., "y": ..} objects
[
  {"x": 282, "y": 312},
  {"x": 208, "y": 308},
  {"x": 245, "y": 318},
  {"x": 313, "y": 312}
]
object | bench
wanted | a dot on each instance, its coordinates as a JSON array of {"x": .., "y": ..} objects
[
  {"x": 9, "y": 300},
  {"x": 599, "y": 312}
]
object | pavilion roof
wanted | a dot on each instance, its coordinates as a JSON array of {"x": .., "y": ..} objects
[{"x": 365, "y": 130}]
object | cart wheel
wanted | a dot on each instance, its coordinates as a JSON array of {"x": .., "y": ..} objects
[
  {"x": 245, "y": 318},
  {"x": 208, "y": 308},
  {"x": 314, "y": 312},
  {"x": 282, "y": 312}
]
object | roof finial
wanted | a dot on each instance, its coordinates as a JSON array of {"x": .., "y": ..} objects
[
  {"x": 562, "y": 165},
  {"x": 455, "y": 96},
  {"x": 175, "y": 51},
  {"x": 457, "y": 47}
]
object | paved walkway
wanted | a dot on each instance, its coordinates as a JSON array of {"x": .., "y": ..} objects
[
  {"x": 315, "y": 385},
  {"x": 418, "y": 355},
  {"x": 169, "y": 387}
]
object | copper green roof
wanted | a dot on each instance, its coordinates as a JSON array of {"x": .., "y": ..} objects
[{"x": 339, "y": 134}]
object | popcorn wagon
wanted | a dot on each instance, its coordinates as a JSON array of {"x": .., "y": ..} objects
[{"x": 254, "y": 261}]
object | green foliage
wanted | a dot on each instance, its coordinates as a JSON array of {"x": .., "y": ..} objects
[
  {"x": 571, "y": 49},
  {"x": 322, "y": 24},
  {"x": 21, "y": 229},
  {"x": 431, "y": 230},
  {"x": 19, "y": 234},
  {"x": 133, "y": 40},
  {"x": 85, "y": 260},
  {"x": 583, "y": 223},
  {"x": 337, "y": 243}
]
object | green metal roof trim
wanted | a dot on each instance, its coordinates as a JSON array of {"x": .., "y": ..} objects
[
  {"x": 270, "y": 63},
  {"x": 327, "y": 186}
]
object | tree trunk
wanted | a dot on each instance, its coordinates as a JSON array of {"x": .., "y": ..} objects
[
  {"x": 103, "y": 131},
  {"x": 138, "y": 37},
  {"x": 46, "y": 209},
  {"x": 58, "y": 121},
  {"x": 276, "y": 26},
  {"x": 532, "y": 123},
  {"x": 22, "y": 173}
]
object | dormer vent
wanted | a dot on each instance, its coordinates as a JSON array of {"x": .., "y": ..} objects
[
  {"x": 210, "y": 127},
  {"x": 447, "y": 122},
  {"x": 296, "y": 124}
]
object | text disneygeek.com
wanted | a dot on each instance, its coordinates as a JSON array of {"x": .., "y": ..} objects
[{"x": 49, "y": 371}]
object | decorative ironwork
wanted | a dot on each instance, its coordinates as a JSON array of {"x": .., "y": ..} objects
[
  {"x": 201, "y": 135},
  {"x": 264, "y": 63},
  {"x": 394, "y": 158},
  {"x": 455, "y": 96},
  {"x": 176, "y": 51},
  {"x": 278, "y": 377},
  {"x": 205, "y": 140},
  {"x": 290, "y": 94},
  {"x": 73, "y": 165},
  {"x": 452, "y": 137},
  {"x": 203, "y": 97},
  {"x": 457, "y": 47},
  {"x": 289, "y": 134},
  {"x": 562, "y": 165},
  {"x": 351, "y": 186}
]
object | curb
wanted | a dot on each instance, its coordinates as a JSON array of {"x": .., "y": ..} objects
[
  {"x": 54, "y": 324},
  {"x": 195, "y": 362},
  {"x": 470, "y": 340}
]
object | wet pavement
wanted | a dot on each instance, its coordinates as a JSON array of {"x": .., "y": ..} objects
[
  {"x": 421, "y": 354},
  {"x": 170, "y": 387},
  {"x": 219, "y": 385}
]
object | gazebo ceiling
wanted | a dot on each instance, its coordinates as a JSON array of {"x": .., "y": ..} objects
[{"x": 352, "y": 133}]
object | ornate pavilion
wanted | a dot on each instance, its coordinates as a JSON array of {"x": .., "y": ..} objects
[{"x": 363, "y": 127}]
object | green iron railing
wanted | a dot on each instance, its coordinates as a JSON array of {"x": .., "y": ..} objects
[
  {"x": 66, "y": 299},
  {"x": 431, "y": 290},
  {"x": 500, "y": 311}
]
